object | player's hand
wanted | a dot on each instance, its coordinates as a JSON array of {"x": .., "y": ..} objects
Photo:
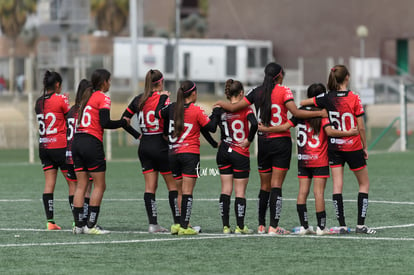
[
  {"x": 354, "y": 131},
  {"x": 165, "y": 93},
  {"x": 128, "y": 120},
  {"x": 245, "y": 143},
  {"x": 324, "y": 113},
  {"x": 262, "y": 128}
]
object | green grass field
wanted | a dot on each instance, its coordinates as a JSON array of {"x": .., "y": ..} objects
[{"x": 26, "y": 248}]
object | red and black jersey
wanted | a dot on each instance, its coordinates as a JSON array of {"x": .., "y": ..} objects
[
  {"x": 50, "y": 113},
  {"x": 71, "y": 122},
  {"x": 343, "y": 108},
  {"x": 234, "y": 129},
  {"x": 280, "y": 96},
  {"x": 194, "y": 119},
  {"x": 90, "y": 123},
  {"x": 312, "y": 148},
  {"x": 148, "y": 123}
]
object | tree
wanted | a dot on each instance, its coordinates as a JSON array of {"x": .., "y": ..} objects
[
  {"x": 13, "y": 15},
  {"x": 110, "y": 15}
]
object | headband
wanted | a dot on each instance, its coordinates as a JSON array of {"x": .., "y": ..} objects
[
  {"x": 191, "y": 89},
  {"x": 159, "y": 80},
  {"x": 276, "y": 76}
]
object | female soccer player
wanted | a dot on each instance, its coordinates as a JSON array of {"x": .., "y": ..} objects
[
  {"x": 185, "y": 121},
  {"x": 272, "y": 102},
  {"x": 345, "y": 112},
  {"x": 51, "y": 109},
  {"x": 153, "y": 149},
  {"x": 312, "y": 143},
  {"x": 88, "y": 151},
  {"x": 71, "y": 122},
  {"x": 233, "y": 156}
]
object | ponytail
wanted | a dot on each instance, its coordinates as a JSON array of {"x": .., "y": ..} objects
[
  {"x": 337, "y": 76},
  {"x": 185, "y": 90},
  {"x": 152, "y": 79},
  {"x": 49, "y": 83},
  {"x": 84, "y": 100},
  {"x": 314, "y": 90},
  {"x": 273, "y": 74}
]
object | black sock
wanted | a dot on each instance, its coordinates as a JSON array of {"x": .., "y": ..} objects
[
  {"x": 321, "y": 218},
  {"x": 339, "y": 208},
  {"x": 71, "y": 202},
  {"x": 78, "y": 216},
  {"x": 86, "y": 208},
  {"x": 93, "y": 215},
  {"x": 151, "y": 207},
  {"x": 263, "y": 203},
  {"x": 303, "y": 215},
  {"x": 224, "y": 205},
  {"x": 173, "y": 199},
  {"x": 362, "y": 207},
  {"x": 240, "y": 210},
  {"x": 275, "y": 206},
  {"x": 186, "y": 207},
  {"x": 48, "y": 205}
]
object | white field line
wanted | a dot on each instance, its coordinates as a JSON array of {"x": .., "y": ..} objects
[
  {"x": 215, "y": 200},
  {"x": 202, "y": 236}
]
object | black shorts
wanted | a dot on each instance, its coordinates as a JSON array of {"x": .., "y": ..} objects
[
  {"x": 53, "y": 159},
  {"x": 313, "y": 172},
  {"x": 355, "y": 159},
  {"x": 153, "y": 154},
  {"x": 274, "y": 153},
  {"x": 88, "y": 153},
  {"x": 231, "y": 162},
  {"x": 185, "y": 164},
  {"x": 71, "y": 175}
]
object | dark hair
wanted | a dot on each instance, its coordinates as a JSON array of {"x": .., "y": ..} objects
[
  {"x": 98, "y": 78},
  {"x": 186, "y": 89},
  {"x": 152, "y": 79},
  {"x": 83, "y": 85},
  {"x": 273, "y": 74},
  {"x": 50, "y": 79},
  {"x": 337, "y": 76},
  {"x": 232, "y": 88},
  {"x": 314, "y": 90},
  {"x": 49, "y": 82}
]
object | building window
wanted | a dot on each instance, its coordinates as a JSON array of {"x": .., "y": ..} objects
[{"x": 231, "y": 63}]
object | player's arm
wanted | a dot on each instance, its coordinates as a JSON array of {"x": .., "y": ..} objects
[
  {"x": 337, "y": 133},
  {"x": 304, "y": 114},
  {"x": 307, "y": 102},
  {"x": 161, "y": 111},
  {"x": 107, "y": 123},
  {"x": 361, "y": 129},
  {"x": 232, "y": 107},
  {"x": 252, "y": 130},
  {"x": 275, "y": 129}
]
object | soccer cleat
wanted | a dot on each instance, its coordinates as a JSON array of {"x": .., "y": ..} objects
[
  {"x": 78, "y": 230},
  {"x": 226, "y": 230},
  {"x": 244, "y": 230},
  {"x": 324, "y": 231},
  {"x": 340, "y": 230},
  {"x": 363, "y": 229},
  {"x": 307, "y": 231},
  {"x": 156, "y": 228},
  {"x": 197, "y": 228},
  {"x": 187, "y": 231},
  {"x": 175, "y": 228},
  {"x": 52, "y": 226},
  {"x": 261, "y": 229},
  {"x": 278, "y": 231},
  {"x": 96, "y": 230}
]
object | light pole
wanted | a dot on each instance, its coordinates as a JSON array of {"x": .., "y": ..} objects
[{"x": 362, "y": 33}]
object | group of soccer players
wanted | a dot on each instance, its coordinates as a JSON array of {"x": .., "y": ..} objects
[{"x": 330, "y": 132}]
